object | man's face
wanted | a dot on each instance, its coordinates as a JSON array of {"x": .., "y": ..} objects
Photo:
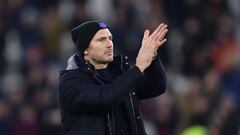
[{"x": 100, "y": 50}]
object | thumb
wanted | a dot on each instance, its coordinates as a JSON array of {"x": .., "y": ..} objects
[{"x": 146, "y": 34}]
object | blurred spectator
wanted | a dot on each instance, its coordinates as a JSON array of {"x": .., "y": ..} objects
[
  {"x": 26, "y": 123},
  {"x": 51, "y": 123},
  {"x": 52, "y": 32},
  {"x": 4, "y": 118},
  {"x": 166, "y": 119}
]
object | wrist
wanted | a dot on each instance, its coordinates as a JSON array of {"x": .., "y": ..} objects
[{"x": 140, "y": 68}]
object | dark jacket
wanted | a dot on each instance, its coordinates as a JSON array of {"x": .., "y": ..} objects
[{"x": 85, "y": 100}]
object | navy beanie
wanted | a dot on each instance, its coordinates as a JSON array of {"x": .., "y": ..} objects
[{"x": 83, "y": 34}]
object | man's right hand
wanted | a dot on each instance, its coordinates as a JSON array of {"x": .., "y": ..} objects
[{"x": 149, "y": 46}]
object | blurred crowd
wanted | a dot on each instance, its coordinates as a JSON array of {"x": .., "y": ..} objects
[{"x": 201, "y": 57}]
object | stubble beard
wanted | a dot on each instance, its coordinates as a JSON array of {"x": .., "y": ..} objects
[{"x": 103, "y": 60}]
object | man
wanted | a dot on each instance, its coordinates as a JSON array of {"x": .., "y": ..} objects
[{"x": 98, "y": 93}]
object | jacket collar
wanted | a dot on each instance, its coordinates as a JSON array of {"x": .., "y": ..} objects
[{"x": 77, "y": 61}]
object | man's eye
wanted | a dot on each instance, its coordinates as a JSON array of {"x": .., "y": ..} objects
[{"x": 100, "y": 39}]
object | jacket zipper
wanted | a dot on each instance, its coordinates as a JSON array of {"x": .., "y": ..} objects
[
  {"x": 110, "y": 127},
  {"x": 133, "y": 111},
  {"x": 108, "y": 115},
  {"x": 131, "y": 100}
]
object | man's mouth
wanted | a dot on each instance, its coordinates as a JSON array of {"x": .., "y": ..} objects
[{"x": 108, "y": 52}]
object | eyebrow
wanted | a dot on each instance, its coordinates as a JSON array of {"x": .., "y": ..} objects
[{"x": 104, "y": 37}]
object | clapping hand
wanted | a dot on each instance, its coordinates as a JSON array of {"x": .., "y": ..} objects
[{"x": 150, "y": 45}]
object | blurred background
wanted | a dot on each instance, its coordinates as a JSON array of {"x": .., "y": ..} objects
[{"x": 201, "y": 57}]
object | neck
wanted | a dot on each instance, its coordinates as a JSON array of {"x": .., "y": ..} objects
[{"x": 100, "y": 66}]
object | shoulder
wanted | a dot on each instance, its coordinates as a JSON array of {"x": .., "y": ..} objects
[{"x": 72, "y": 74}]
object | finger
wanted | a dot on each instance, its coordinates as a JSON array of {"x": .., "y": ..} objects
[
  {"x": 157, "y": 29},
  {"x": 145, "y": 38},
  {"x": 164, "y": 27},
  {"x": 162, "y": 35},
  {"x": 161, "y": 43},
  {"x": 146, "y": 34},
  {"x": 161, "y": 31}
]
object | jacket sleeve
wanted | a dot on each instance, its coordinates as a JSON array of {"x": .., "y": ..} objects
[
  {"x": 154, "y": 82},
  {"x": 80, "y": 93}
]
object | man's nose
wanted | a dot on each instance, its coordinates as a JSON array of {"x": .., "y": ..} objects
[{"x": 109, "y": 44}]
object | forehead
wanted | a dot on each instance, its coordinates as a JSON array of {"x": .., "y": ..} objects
[{"x": 103, "y": 33}]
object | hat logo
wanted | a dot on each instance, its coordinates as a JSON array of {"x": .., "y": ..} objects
[{"x": 102, "y": 25}]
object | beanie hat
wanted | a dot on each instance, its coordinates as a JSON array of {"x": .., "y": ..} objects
[{"x": 83, "y": 34}]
